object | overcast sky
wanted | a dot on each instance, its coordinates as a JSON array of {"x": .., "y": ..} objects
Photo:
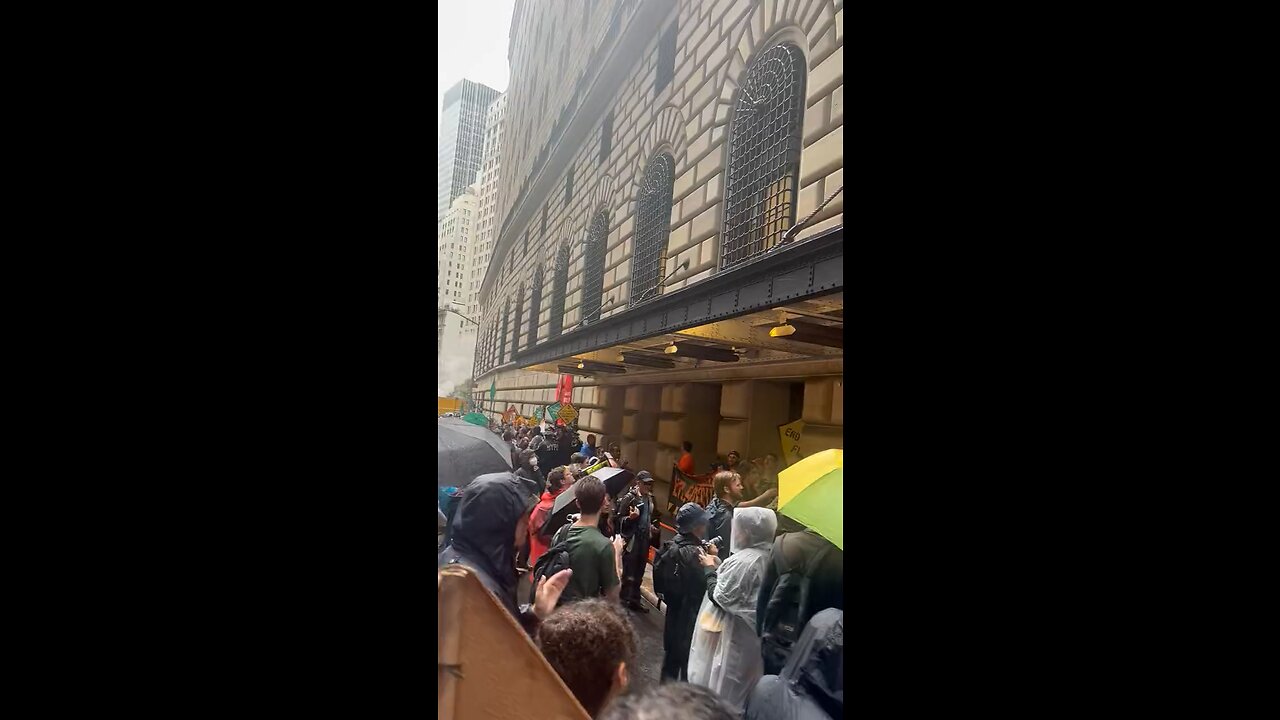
[{"x": 473, "y": 37}]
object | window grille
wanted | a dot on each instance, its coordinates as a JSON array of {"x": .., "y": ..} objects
[
  {"x": 559, "y": 281},
  {"x": 593, "y": 248},
  {"x": 764, "y": 155},
  {"x": 502, "y": 340},
  {"x": 535, "y": 307},
  {"x": 515, "y": 321},
  {"x": 653, "y": 226}
]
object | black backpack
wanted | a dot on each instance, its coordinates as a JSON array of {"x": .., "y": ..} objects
[
  {"x": 787, "y": 611},
  {"x": 667, "y": 576},
  {"x": 555, "y": 559}
]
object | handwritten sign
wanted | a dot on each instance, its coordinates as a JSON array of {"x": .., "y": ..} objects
[{"x": 790, "y": 435}]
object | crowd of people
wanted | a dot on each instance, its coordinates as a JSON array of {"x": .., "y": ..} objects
[{"x": 753, "y": 601}]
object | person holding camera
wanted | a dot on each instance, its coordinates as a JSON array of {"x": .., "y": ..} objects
[{"x": 680, "y": 575}]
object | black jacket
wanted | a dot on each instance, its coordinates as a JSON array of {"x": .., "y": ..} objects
[
  {"x": 533, "y": 480},
  {"x": 826, "y": 589}
]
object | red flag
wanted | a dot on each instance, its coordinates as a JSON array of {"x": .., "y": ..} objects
[{"x": 564, "y": 389}]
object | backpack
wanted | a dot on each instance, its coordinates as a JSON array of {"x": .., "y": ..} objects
[
  {"x": 787, "y": 611},
  {"x": 555, "y": 559},
  {"x": 667, "y": 577}
]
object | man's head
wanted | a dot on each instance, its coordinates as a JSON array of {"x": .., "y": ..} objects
[
  {"x": 591, "y": 645},
  {"x": 576, "y": 459},
  {"x": 559, "y": 479},
  {"x": 771, "y": 462},
  {"x": 688, "y": 446},
  {"x": 644, "y": 483},
  {"x": 670, "y": 701},
  {"x": 691, "y": 519},
  {"x": 528, "y": 459},
  {"x": 590, "y": 494},
  {"x": 509, "y": 436},
  {"x": 734, "y": 458},
  {"x": 727, "y": 485}
]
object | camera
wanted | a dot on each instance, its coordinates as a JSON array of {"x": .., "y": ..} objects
[{"x": 716, "y": 542}]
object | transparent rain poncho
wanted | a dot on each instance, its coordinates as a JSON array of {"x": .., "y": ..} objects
[{"x": 725, "y": 653}]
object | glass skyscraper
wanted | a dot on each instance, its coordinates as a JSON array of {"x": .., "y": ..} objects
[{"x": 461, "y": 147}]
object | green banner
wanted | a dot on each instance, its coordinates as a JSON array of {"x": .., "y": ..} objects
[
  {"x": 553, "y": 411},
  {"x": 493, "y": 389},
  {"x": 537, "y": 413}
]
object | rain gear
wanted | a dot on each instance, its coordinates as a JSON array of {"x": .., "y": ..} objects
[
  {"x": 537, "y": 543},
  {"x": 683, "y": 606},
  {"x": 725, "y": 653},
  {"x": 811, "y": 686},
  {"x": 482, "y": 534}
]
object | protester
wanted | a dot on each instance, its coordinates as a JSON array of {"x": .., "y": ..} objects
[
  {"x": 784, "y": 605},
  {"x": 538, "y": 441},
  {"x": 592, "y": 647},
  {"x": 589, "y": 448},
  {"x": 725, "y": 652},
  {"x": 686, "y": 460},
  {"x": 670, "y": 701},
  {"x": 811, "y": 685},
  {"x": 758, "y": 489},
  {"x": 527, "y": 470},
  {"x": 592, "y": 557},
  {"x": 490, "y": 524},
  {"x": 727, "y": 486},
  {"x": 559, "y": 480},
  {"x": 680, "y": 576},
  {"x": 636, "y": 518}
]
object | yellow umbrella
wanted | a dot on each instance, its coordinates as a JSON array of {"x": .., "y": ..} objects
[{"x": 812, "y": 493}]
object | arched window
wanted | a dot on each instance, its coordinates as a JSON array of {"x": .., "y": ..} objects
[
  {"x": 653, "y": 226},
  {"x": 535, "y": 307},
  {"x": 764, "y": 155},
  {"x": 593, "y": 248},
  {"x": 559, "y": 281}
]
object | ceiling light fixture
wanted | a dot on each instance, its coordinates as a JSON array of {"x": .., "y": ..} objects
[
  {"x": 671, "y": 349},
  {"x": 783, "y": 329},
  {"x": 582, "y": 365}
]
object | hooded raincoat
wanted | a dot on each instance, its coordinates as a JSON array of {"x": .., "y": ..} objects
[
  {"x": 811, "y": 686},
  {"x": 725, "y": 654},
  {"x": 482, "y": 534}
]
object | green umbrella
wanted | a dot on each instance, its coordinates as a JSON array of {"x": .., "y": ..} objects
[
  {"x": 476, "y": 418},
  {"x": 811, "y": 492}
]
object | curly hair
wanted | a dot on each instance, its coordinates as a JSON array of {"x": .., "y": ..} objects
[
  {"x": 671, "y": 701},
  {"x": 585, "y": 642}
]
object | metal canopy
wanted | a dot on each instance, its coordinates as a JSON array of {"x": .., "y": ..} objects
[{"x": 792, "y": 272}]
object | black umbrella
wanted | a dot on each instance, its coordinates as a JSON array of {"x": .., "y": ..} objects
[
  {"x": 615, "y": 479},
  {"x": 495, "y": 441},
  {"x": 462, "y": 456}
]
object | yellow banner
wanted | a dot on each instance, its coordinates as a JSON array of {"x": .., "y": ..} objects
[{"x": 790, "y": 435}]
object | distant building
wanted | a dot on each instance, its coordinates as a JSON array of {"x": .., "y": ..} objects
[
  {"x": 670, "y": 224},
  {"x": 461, "y": 141},
  {"x": 487, "y": 184},
  {"x": 455, "y": 254}
]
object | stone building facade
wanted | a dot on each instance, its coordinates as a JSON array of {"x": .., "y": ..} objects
[{"x": 656, "y": 152}]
